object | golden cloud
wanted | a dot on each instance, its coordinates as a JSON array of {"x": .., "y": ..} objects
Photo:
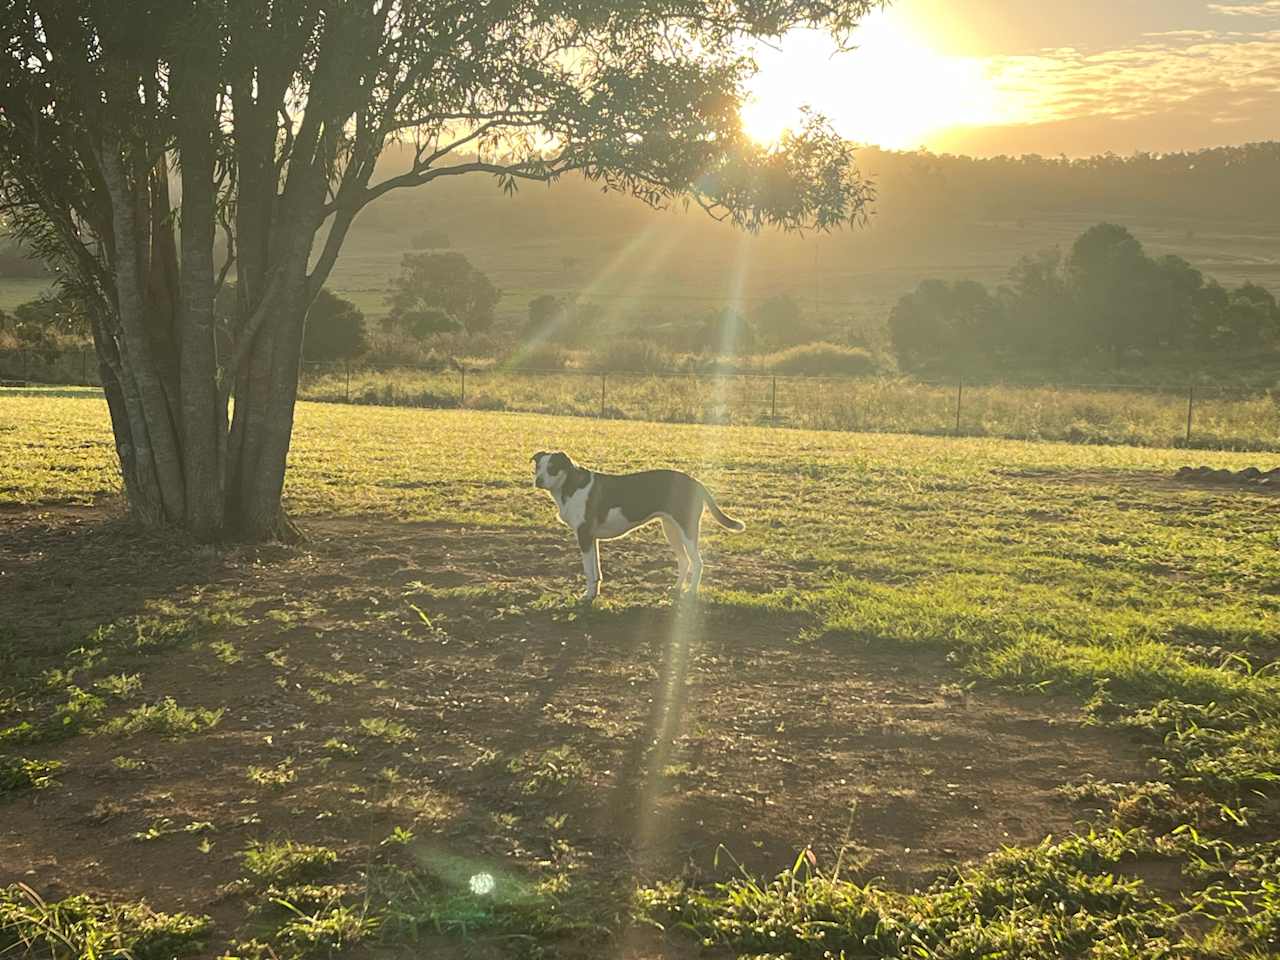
[
  {"x": 1232, "y": 69},
  {"x": 1267, "y": 8}
]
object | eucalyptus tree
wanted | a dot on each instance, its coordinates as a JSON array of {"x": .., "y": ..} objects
[{"x": 149, "y": 149}]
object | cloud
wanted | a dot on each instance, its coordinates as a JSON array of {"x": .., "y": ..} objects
[
  {"x": 1224, "y": 75},
  {"x": 1266, "y": 8}
]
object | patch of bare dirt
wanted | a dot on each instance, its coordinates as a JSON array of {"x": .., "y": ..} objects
[{"x": 679, "y": 730}]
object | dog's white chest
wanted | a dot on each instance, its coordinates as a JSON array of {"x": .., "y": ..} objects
[{"x": 573, "y": 509}]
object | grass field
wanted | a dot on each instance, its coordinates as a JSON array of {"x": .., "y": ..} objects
[{"x": 972, "y": 697}]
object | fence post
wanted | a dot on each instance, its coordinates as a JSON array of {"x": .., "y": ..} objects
[
  {"x": 462, "y": 397},
  {"x": 1191, "y": 399},
  {"x": 773, "y": 403},
  {"x": 602, "y": 380},
  {"x": 347, "y": 394},
  {"x": 84, "y": 368},
  {"x": 959, "y": 397}
]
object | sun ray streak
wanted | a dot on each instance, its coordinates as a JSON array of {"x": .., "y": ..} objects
[{"x": 632, "y": 249}]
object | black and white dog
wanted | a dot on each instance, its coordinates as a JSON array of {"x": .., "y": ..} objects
[{"x": 603, "y": 506}]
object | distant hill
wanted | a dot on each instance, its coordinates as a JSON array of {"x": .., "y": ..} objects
[{"x": 936, "y": 215}]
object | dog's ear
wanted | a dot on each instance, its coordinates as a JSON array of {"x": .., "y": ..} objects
[
  {"x": 538, "y": 456},
  {"x": 558, "y": 463}
]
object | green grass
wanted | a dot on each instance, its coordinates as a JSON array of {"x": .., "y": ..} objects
[
  {"x": 20, "y": 773},
  {"x": 273, "y": 778},
  {"x": 281, "y": 863},
  {"x": 549, "y": 772},
  {"x": 1067, "y": 898},
  {"x": 165, "y": 717},
  {"x": 84, "y": 928},
  {"x": 1078, "y": 571},
  {"x": 389, "y": 731}
]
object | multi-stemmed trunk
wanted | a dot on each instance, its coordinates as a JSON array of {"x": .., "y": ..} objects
[{"x": 203, "y": 440}]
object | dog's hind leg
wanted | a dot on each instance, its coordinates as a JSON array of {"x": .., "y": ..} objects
[
  {"x": 675, "y": 537},
  {"x": 695, "y": 558}
]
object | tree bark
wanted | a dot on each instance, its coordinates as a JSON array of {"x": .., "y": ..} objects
[
  {"x": 203, "y": 411},
  {"x": 152, "y": 434}
]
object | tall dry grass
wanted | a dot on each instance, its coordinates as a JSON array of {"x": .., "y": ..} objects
[{"x": 1221, "y": 419}]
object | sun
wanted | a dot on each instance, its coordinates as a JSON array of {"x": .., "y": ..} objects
[{"x": 894, "y": 90}]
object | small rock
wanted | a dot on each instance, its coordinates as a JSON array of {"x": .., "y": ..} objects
[{"x": 1249, "y": 473}]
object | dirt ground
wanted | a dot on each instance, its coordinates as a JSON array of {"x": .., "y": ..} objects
[{"x": 679, "y": 730}]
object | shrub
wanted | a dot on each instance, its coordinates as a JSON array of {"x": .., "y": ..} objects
[
  {"x": 823, "y": 360},
  {"x": 538, "y": 356},
  {"x": 335, "y": 329},
  {"x": 630, "y": 354}
]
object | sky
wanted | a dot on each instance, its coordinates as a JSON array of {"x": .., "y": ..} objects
[{"x": 986, "y": 77}]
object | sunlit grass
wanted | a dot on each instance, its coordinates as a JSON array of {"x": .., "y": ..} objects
[{"x": 1079, "y": 571}]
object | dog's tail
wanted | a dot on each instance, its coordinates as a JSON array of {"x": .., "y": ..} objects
[{"x": 722, "y": 518}]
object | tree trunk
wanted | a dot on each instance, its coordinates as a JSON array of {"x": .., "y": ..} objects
[
  {"x": 153, "y": 439},
  {"x": 203, "y": 416},
  {"x": 262, "y": 426}
]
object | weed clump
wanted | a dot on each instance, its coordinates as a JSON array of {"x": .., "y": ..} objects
[{"x": 82, "y": 927}]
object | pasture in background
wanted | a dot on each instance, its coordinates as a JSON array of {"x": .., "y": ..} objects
[{"x": 1201, "y": 416}]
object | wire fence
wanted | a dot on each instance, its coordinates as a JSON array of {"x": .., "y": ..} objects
[{"x": 1191, "y": 415}]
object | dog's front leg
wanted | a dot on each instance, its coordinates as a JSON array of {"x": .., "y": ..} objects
[{"x": 590, "y": 564}]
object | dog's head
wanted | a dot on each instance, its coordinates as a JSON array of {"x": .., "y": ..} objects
[{"x": 550, "y": 469}]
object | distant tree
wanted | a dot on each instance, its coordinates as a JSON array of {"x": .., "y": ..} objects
[
  {"x": 1039, "y": 315},
  {"x": 431, "y": 284},
  {"x": 1114, "y": 284},
  {"x": 564, "y": 320},
  {"x": 421, "y": 324},
  {"x": 945, "y": 324},
  {"x": 265, "y": 120},
  {"x": 780, "y": 321},
  {"x": 1252, "y": 317},
  {"x": 917, "y": 323},
  {"x": 545, "y": 312},
  {"x": 335, "y": 329},
  {"x": 1211, "y": 303},
  {"x": 1177, "y": 287},
  {"x": 724, "y": 332}
]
